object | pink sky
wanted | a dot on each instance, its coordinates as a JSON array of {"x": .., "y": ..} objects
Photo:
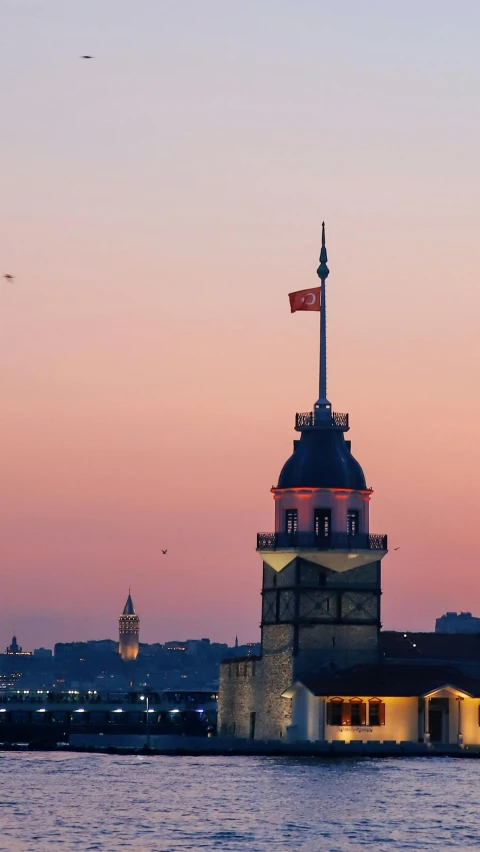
[{"x": 157, "y": 205}]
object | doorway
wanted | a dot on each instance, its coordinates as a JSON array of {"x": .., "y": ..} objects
[
  {"x": 252, "y": 725},
  {"x": 438, "y": 720}
]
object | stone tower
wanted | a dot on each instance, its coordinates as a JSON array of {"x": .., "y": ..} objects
[
  {"x": 321, "y": 567},
  {"x": 128, "y": 629}
]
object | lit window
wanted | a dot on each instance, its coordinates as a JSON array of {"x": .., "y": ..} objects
[
  {"x": 291, "y": 521},
  {"x": 322, "y": 523},
  {"x": 352, "y": 522}
]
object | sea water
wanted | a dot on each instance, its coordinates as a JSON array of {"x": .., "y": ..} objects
[{"x": 69, "y": 801}]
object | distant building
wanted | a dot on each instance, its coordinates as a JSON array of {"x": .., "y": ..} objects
[
  {"x": 128, "y": 629},
  {"x": 461, "y": 622},
  {"x": 15, "y": 648},
  {"x": 197, "y": 647},
  {"x": 42, "y": 652},
  {"x": 93, "y": 648},
  {"x": 175, "y": 646}
]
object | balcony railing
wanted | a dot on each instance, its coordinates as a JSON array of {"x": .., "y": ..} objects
[
  {"x": 306, "y": 420},
  {"x": 308, "y": 540}
]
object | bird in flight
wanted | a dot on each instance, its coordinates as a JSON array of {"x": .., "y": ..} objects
[
  {"x": 164, "y": 552},
  {"x": 396, "y": 548},
  {"x": 9, "y": 277},
  {"x": 87, "y": 56}
]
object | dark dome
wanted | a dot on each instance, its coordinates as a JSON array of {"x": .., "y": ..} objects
[{"x": 322, "y": 459}]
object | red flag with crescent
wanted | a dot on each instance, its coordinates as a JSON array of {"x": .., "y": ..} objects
[{"x": 305, "y": 300}]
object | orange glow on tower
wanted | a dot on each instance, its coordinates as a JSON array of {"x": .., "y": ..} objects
[{"x": 128, "y": 630}]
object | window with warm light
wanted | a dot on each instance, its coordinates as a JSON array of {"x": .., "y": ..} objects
[{"x": 346, "y": 713}]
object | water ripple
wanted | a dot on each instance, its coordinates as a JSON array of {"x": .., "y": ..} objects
[{"x": 252, "y": 804}]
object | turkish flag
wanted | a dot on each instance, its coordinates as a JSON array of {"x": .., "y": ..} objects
[{"x": 305, "y": 300}]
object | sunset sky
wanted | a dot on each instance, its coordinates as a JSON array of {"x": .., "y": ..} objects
[{"x": 157, "y": 205}]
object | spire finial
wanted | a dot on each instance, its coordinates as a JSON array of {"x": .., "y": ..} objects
[
  {"x": 322, "y": 407},
  {"x": 323, "y": 270}
]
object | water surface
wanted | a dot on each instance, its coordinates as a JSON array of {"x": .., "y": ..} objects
[{"x": 160, "y": 804}]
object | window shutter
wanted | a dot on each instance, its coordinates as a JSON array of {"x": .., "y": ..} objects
[
  {"x": 381, "y": 712},
  {"x": 363, "y": 713},
  {"x": 329, "y": 712},
  {"x": 345, "y": 713}
]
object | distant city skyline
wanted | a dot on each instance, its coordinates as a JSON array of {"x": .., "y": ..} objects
[
  {"x": 231, "y": 641},
  {"x": 157, "y": 206}
]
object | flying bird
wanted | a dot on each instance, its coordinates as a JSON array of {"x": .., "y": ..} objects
[
  {"x": 396, "y": 548},
  {"x": 9, "y": 277},
  {"x": 164, "y": 552},
  {"x": 87, "y": 56}
]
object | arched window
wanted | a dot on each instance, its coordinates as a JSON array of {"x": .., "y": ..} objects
[{"x": 376, "y": 712}]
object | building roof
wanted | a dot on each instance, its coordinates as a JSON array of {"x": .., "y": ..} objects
[
  {"x": 322, "y": 459},
  {"x": 129, "y": 608},
  {"x": 388, "y": 680},
  {"x": 441, "y": 647}
]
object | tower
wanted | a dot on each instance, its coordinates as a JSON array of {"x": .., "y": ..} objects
[
  {"x": 321, "y": 566},
  {"x": 14, "y": 648},
  {"x": 128, "y": 630}
]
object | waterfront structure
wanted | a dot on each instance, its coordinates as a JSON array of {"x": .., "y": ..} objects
[
  {"x": 323, "y": 672},
  {"x": 47, "y": 715},
  {"x": 128, "y": 630}
]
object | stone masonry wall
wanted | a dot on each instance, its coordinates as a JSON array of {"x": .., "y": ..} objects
[
  {"x": 341, "y": 644},
  {"x": 255, "y": 686},
  {"x": 273, "y": 711},
  {"x": 238, "y": 695}
]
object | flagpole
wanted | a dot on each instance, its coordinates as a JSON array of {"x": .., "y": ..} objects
[{"x": 323, "y": 272}]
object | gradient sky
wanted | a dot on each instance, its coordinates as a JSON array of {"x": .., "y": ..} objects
[{"x": 157, "y": 204}]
